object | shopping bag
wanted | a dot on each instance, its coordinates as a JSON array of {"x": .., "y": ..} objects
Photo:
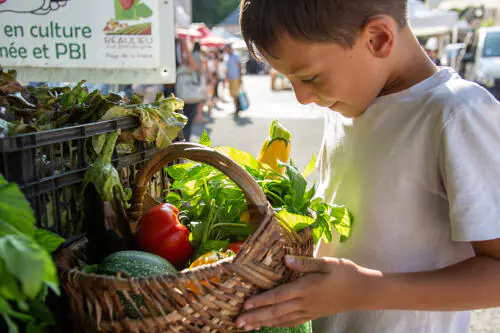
[
  {"x": 190, "y": 86},
  {"x": 243, "y": 101}
]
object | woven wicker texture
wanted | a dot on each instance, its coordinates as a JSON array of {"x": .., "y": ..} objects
[{"x": 204, "y": 299}]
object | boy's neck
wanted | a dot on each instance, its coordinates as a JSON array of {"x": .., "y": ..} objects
[{"x": 412, "y": 65}]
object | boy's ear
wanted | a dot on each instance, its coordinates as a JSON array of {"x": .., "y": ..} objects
[{"x": 379, "y": 35}]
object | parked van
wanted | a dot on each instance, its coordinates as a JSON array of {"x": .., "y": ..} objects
[{"x": 482, "y": 63}]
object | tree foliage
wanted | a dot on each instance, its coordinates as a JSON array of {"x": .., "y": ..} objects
[{"x": 212, "y": 12}]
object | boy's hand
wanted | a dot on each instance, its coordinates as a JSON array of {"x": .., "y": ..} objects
[{"x": 330, "y": 286}]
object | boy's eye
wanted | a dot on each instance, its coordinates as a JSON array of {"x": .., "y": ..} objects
[{"x": 310, "y": 80}]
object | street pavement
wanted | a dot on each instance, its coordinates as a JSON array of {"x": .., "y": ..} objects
[{"x": 305, "y": 122}]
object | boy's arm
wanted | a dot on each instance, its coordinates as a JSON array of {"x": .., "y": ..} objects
[{"x": 335, "y": 285}]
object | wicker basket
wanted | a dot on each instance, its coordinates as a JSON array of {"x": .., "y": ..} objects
[{"x": 168, "y": 305}]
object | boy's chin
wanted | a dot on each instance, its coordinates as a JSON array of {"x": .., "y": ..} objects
[{"x": 345, "y": 110}]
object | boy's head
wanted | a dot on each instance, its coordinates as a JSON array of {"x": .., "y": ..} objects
[{"x": 335, "y": 52}]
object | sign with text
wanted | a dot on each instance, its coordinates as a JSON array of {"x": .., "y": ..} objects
[{"x": 106, "y": 41}]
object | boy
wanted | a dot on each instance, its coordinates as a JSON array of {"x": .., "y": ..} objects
[{"x": 419, "y": 168}]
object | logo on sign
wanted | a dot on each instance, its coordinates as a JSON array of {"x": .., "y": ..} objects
[
  {"x": 37, "y": 7},
  {"x": 127, "y": 11}
]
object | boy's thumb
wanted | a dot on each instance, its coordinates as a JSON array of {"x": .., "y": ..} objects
[{"x": 307, "y": 264}]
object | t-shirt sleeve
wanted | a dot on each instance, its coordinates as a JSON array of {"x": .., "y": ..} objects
[{"x": 470, "y": 168}]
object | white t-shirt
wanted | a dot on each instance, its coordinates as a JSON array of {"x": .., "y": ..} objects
[{"x": 420, "y": 172}]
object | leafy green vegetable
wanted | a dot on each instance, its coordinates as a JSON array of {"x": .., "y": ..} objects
[
  {"x": 213, "y": 204},
  {"x": 205, "y": 139},
  {"x": 160, "y": 123},
  {"x": 32, "y": 109},
  {"x": 104, "y": 175},
  {"x": 26, "y": 267}
]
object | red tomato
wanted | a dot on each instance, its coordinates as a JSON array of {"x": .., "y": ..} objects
[
  {"x": 161, "y": 233},
  {"x": 127, "y": 4},
  {"x": 236, "y": 246}
]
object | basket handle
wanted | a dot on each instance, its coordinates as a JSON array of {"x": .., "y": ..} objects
[{"x": 256, "y": 199}]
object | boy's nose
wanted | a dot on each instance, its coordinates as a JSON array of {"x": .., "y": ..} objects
[{"x": 304, "y": 95}]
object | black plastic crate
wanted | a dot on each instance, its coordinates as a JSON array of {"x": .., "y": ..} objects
[{"x": 49, "y": 167}]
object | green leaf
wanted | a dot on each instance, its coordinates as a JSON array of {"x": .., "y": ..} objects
[
  {"x": 298, "y": 186},
  {"x": 205, "y": 139},
  {"x": 242, "y": 158},
  {"x": 5, "y": 311},
  {"x": 15, "y": 209},
  {"x": 212, "y": 245},
  {"x": 295, "y": 221},
  {"x": 29, "y": 263},
  {"x": 74, "y": 97},
  {"x": 7, "y": 229},
  {"x": 48, "y": 240},
  {"x": 9, "y": 288},
  {"x": 178, "y": 171},
  {"x": 309, "y": 168},
  {"x": 118, "y": 112},
  {"x": 42, "y": 313},
  {"x": 98, "y": 142},
  {"x": 174, "y": 198},
  {"x": 343, "y": 223}
]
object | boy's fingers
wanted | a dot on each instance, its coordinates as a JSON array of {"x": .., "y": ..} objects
[
  {"x": 307, "y": 264},
  {"x": 281, "y": 294},
  {"x": 266, "y": 316}
]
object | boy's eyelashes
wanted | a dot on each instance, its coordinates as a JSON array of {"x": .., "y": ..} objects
[{"x": 310, "y": 79}]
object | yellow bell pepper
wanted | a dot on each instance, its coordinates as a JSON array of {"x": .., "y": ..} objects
[
  {"x": 276, "y": 147},
  {"x": 208, "y": 258}
]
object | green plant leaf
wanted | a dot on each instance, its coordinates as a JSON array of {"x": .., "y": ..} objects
[
  {"x": 29, "y": 263},
  {"x": 178, "y": 171},
  {"x": 9, "y": 288},
  {"x": 309, "y": 168},
  {"x": 205, "y": 139},
  {"x": 15, "y": 209},
  {"x": 298, "y": 186},
  {"x": 343, "y": 222},
  {"x": 242, "y": 158},
  {"x": 295, "y": 221},
  {"x": 48, "y": 240},
  {"x": 6, "y": 310},
  {"x": 42, "y": 313}
]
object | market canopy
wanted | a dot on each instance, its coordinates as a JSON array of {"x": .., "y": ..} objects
[{"x": 461, "y": 4}]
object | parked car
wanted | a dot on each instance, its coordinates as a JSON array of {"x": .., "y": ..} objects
[{"x": 482, "y": 61}]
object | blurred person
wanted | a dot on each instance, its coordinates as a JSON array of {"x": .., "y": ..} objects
[
  {"x": 234, "y": 75},
  {"x": 410, "y": 149},
  {"x": 200, "y": 60},
  {"x": 222, "y": 75},
  {"x": 431, "y": 48},
  {"x": 194, "y": 62}
]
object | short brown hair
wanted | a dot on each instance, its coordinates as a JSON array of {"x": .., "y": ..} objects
[{"x": 338, "y": 21}]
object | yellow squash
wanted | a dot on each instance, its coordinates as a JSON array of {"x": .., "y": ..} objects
[{"x": 276, "y": 147}]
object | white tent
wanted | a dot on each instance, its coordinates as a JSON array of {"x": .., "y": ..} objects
[
  {"x": 461, "y": 4},
  {"x": 427, "y": 22}
]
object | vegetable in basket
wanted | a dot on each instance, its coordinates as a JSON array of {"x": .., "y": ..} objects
[
  {"x": 134, "y": 264},
  {"x": 209, "y": 197},
  {"x": 276, "y": 147},
  {"x": 105, "y": 201},
  {"x": 161, "y": 233}
]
